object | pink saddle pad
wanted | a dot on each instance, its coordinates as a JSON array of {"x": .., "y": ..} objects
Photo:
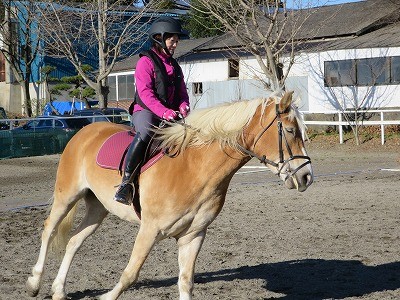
[{"x": 111, "y": 154}]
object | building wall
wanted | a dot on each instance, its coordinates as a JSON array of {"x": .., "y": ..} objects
[
  {"x": 11, "y": 97},
  {"x": 205, "y": 71},
  {"x": 218, "y": 92},
  {"x": 306, "y": 79},
  {"x": 218, "y": 88},
  {"x": 322, "y": 98},
  {"x": 5, "y": 95}
]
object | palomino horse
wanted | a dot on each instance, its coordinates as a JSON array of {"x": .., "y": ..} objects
[{"x": 208, "y": 149}]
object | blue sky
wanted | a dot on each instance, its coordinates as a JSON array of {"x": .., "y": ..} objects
[{"x": 324, "y": 2}]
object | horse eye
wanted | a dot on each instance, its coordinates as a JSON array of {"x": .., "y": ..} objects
[{"x": 290, "y": 130}]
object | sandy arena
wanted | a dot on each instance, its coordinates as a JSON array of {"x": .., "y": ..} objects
[{"x": 338, "y": 240}]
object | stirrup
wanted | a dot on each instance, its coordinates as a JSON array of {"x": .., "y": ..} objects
[{"x": 124, "y": 193}]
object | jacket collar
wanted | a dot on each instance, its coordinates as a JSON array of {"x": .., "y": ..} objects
[{"x": 164, "y": 57}]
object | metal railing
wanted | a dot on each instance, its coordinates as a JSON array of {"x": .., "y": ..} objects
[
  {"x": 340, "y": 123},
  {"x": 14, "y": 123}
]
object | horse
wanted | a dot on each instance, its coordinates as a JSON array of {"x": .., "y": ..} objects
[{"x": 204, "y": 152}]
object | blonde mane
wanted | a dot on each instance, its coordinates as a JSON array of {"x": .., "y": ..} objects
[{"x": 223, "y": 123}]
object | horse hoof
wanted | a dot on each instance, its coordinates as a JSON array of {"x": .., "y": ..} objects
[
  {"x": 32, "y": 289},
  {"x": 105, "y": 296},
  {"x": 59, "y": 297}
]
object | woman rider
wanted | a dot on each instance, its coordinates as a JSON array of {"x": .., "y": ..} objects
[{"x": 160, "y": 95}]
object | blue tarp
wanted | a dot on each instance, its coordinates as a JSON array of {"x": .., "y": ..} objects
[{"x": 65, "y": 107}]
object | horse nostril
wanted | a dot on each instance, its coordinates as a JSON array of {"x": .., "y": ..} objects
[{"x": 308, "y": 179}]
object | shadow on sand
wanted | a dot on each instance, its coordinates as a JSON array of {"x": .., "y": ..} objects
[{"x": 310, "y": 279}]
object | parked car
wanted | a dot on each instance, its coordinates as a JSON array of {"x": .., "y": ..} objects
[
  {"x": 111, "y": 114},
  {"x": 66, "y": 123},
  {"x": 4, "y": 125}
]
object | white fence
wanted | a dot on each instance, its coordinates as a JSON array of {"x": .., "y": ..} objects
[{"x": 340, "y": 123}]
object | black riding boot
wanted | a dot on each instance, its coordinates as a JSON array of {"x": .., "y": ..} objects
[{"x": 133, "y": 161}]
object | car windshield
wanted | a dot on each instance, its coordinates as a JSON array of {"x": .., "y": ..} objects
[
  {"x": 117, "y": 116},
  {"x": 32, "y": 124},
  {"x": 105, "y": 115},
  {"x": 45, "y": 123},
  {"x": 92, "y": 117}
]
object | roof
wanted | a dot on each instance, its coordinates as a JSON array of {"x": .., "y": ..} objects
[
  {"x": 364, "y": 24},
  {"x": 367, "y": 21},
  {"x": 185, "y": 47},
  {"x": 348, "y": 19},
  {"x": 388, "y": 36}
]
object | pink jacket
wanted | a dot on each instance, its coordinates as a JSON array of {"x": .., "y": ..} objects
[{"x": 145, "y": 79}]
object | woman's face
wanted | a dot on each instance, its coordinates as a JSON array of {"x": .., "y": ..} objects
[{"x": 171, "y": 43}]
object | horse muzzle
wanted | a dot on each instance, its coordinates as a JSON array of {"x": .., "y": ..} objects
[{"x": 297, "y": 177}]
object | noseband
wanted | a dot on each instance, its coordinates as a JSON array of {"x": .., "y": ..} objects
[{"x": 281, "y": 136}]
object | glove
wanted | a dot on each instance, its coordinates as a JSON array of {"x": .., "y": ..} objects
[
  {"x": 184, "y": 109},
  {"x": 170, "y": 115}
]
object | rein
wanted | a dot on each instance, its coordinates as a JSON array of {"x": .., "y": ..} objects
[
  {"x": 186, "y": 126},
  {"x": 281, "y": 136}
]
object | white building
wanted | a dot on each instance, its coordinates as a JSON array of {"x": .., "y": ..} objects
[{"x": 352, "y": 60}]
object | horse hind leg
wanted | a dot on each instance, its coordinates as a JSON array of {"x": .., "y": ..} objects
[
  {"x": 58, "y": 213},
  {"x": 95, "y": 214}
]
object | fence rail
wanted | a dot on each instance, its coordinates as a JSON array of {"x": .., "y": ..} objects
[
  {"x": 340, "y": 123},
  {"x": 54, "y": 141}
]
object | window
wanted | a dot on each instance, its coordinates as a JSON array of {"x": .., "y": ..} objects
[
  {"x": 395, "y": 70},
  {"x": 126, "y": 87},
  {"x": 33, "y": 124},
  {"x": 197, "y": 88},
  {"x": 233, "y": 68},
  {"x": 58, "y": 123},
  {"x": 340, "y": 73},
  {"x": 46, "y": 123},
  {"x": 362, "y": 72},
  {"x": 373, "y": 71},
  {"x": 122, "y": 87},
  {"x": 112, "y": 84}
]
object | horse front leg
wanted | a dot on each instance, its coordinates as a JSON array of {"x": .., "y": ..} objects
[
  {"x": 189, "y": 248},
  {"x": 145, "y": 240}
]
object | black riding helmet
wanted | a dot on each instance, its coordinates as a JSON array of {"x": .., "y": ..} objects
[{"x": 165, "y": 25}]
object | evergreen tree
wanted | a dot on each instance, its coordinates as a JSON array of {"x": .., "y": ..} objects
[{"x": 200, "y": 23}]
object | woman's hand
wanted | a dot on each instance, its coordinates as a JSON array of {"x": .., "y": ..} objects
[
  {"x": 184, "y": 109},
  {"x": 170, "y": 115}
]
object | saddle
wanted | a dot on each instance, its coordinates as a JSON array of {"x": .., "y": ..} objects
[{"x": 112, "y": 154}]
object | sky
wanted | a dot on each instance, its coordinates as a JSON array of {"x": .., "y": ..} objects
[{"x": 324, "y": 2}]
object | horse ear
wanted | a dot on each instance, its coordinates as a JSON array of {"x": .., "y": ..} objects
[{"x": 285, "y": 101}]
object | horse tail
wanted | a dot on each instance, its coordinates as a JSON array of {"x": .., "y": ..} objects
[{"x": 61, "y": 235}]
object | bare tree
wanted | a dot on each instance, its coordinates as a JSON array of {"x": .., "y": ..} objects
[
  {"x": 264, "y": 28},
  {"x": 20, "y": 44},
  {"x": 103, "y": 30}
]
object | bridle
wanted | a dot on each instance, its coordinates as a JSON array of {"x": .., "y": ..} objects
[
  {"x": 282, "y": 137},
  {"x": 263, "y": 159}
]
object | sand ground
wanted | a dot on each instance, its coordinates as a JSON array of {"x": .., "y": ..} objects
[{"x": 338, "y": 240}]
